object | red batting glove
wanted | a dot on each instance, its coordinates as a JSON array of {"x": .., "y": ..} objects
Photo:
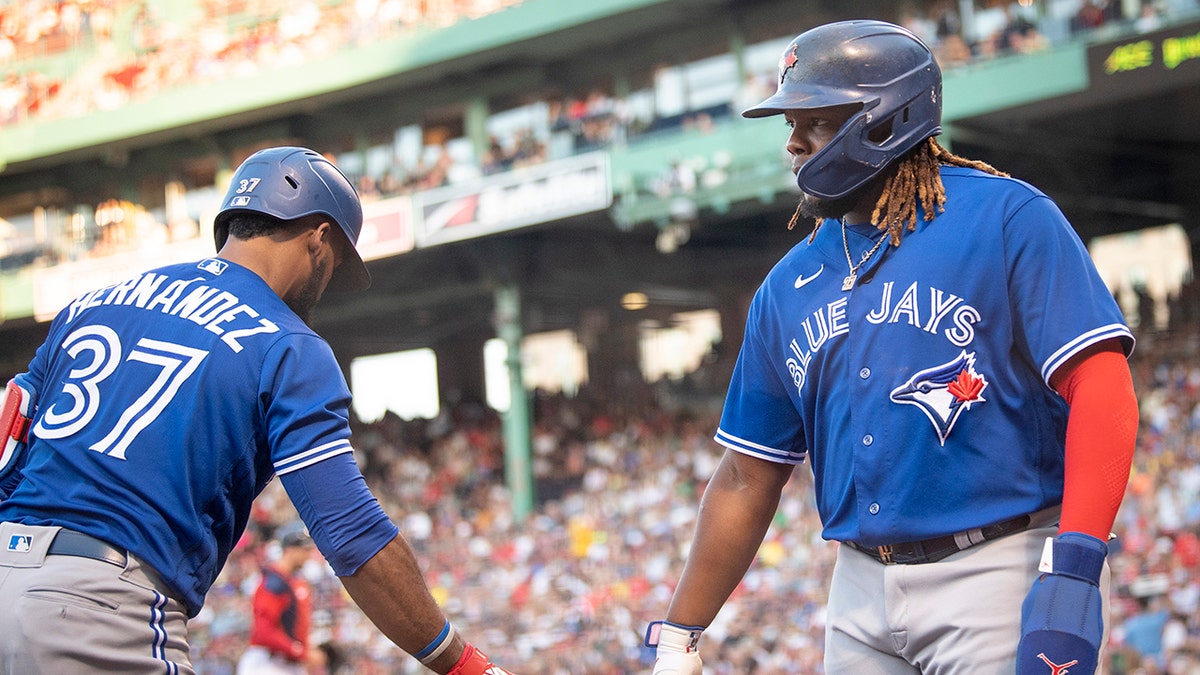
[{"x": 475, "y": 662}]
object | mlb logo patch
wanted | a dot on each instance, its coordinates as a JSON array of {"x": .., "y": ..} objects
[
  {"x": 20, "y": 543},
  {"x": 239, "y": 201},
  {"x": 212, "y": 265}
]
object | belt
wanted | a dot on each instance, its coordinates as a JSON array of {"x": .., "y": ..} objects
[
  {"x": 70, "y": 542},
  {"x": 933, "y": 550}
]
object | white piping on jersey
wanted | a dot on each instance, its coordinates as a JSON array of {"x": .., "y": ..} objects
[
  {"x": 310, "y": 457},
  {"x": 1079, "y": 344},
  {"x": 751, "y": 448}
]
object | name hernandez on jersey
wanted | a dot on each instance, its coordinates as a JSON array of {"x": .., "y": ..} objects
[
  {"x": 215, "y": 309},
  {"x": 99, "y": 349}
]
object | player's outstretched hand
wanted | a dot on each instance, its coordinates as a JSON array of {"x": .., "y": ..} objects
[
  {"x": 1062, "y": 622},
  {"x": 475, "y": 662},
  {"x": 677, "y": 648}
]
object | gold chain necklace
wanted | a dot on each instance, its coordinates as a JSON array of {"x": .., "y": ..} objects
[{"x": 848, "y": 282}]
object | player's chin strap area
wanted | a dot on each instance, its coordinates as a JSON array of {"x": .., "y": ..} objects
[{"x": 15, "y": 417}]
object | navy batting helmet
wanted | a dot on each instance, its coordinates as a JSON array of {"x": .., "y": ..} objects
[
  {"x": 290, "y": 183},
  {"x": 880, "y": 65},
  {"x": 293, "y": 534}
]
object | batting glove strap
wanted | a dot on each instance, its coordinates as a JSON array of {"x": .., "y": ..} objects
[
  {"x": 1076, "y": 555},
  {"x": 475, "y": 662},
  {"x": 673, "y": 637}
]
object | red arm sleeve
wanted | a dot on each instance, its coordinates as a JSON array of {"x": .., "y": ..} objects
[{"x": 1101, "y": 435}]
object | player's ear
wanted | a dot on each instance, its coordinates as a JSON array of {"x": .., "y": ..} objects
[{"x": 318, "y": 235}]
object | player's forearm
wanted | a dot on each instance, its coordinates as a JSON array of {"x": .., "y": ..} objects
[
  {"x": 738, "y": 506},
  {"x": 1101, "y": 436},
  {"x": 391, "y": 591}
]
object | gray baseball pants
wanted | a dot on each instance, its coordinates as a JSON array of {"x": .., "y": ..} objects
[{"x": 64, "y": 613}]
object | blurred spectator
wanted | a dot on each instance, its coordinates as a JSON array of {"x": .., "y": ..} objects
[
  {"x": 1149, "y": 17},
  {"x": 913, "y": 18},
  {"x": 1020, "y": 35},
  {"x": 755, "y": 87},
  {"x": 282, "y": 608},
  {"x": 1093, "y": 14},
  {"x": 947, "y": 20}
]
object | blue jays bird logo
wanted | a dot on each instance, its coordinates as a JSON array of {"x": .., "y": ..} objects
[
  {"x": 787, "y": 61},
  {"x": 944, "y": 392}
]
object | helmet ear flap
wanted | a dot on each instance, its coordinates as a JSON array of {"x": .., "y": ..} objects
[{"x": 881, "y": 133}]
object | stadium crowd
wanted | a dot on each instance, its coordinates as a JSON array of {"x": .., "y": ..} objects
[
  {"x": 618, "y": 481},
  {"x": 68, "y": 58},
  {"x": 72, "y": 57}
]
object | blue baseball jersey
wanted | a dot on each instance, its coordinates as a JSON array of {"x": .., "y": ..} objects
[
  {"x": 166, "y": 403},
  {"x": 921, "y": 396}
]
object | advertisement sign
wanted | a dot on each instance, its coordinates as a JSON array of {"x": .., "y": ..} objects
[
  {"x": 1149, "y": 61},
  {"x": 537, "y": 194},
  {"x": 387, "y": 228},
  {"x": 55, "y": 287}
]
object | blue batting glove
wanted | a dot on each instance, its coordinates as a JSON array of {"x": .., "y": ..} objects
[{"x": 1062, "y": 622}]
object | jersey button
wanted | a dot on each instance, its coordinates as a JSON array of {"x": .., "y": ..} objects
[
  {"x": 868, "y": 439},
  {"x": 873, "y": 508},
  {"x": 864, "y": 373}
]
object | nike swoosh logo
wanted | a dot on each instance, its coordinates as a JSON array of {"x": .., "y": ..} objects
[{"x": 801, "y": 280}]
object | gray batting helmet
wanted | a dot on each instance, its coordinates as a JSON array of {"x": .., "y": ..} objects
[
  {"x": 880, "y": 65},
  {"x": 292, "y": 182}
]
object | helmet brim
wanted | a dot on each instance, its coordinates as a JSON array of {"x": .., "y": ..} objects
[
  {"x": 796, "y": 98},
  {"x": 351, "y": 275},
  {"x": 773, "y": 105}
]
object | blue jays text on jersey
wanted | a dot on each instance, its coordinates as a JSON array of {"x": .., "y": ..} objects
[
  {"x": 165, "y": 404},
  {"x": 945, "y": 313},
  {"x": 921, "y": 396}
]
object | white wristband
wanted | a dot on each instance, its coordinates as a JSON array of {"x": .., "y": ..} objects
[
  {"x": 673, "y": 637},
  {"x": 439, "y": 644}
]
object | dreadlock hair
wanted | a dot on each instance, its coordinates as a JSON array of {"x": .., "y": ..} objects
[{"x": 915, "y": 178}]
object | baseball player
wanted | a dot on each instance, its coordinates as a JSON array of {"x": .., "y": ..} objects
[
  {"x": 155, "y": 412},
  {"x": 944, "y": 354},
  {"x": 282, "y": 611}
]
